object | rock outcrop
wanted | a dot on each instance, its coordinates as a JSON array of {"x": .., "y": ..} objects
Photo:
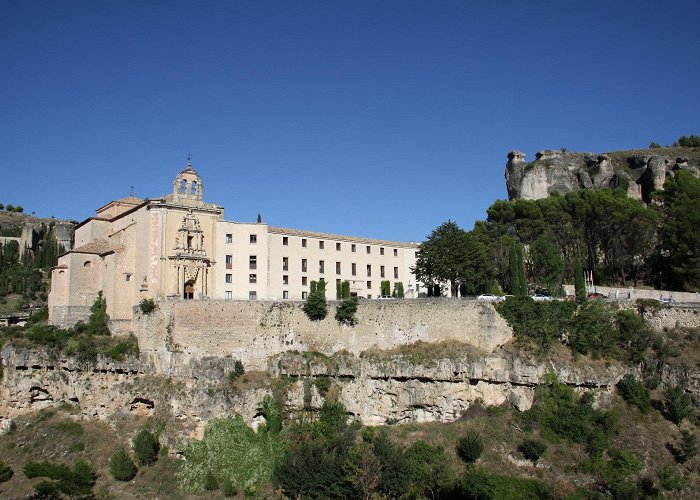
[{"x": 566, "y": 171}]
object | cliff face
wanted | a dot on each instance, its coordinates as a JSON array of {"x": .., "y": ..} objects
[{"x": 639, "y": 173}]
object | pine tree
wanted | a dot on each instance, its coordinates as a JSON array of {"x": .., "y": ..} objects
[
  {"x": 121, "y": 467},
  {"x": 146, "y": 446},
  {"x": 97, "y": 323}
]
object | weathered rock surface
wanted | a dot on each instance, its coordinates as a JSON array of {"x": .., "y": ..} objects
[{"x": 568, "y": 171}]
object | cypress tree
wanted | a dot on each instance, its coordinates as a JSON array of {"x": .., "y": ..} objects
[
  {"x": 579, "y": 282},
  {"x": 513, "y": 263}
]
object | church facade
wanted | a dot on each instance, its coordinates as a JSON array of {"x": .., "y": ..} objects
[{"x": 180, "y": 247}]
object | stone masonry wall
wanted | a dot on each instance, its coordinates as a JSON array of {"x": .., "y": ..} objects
[{"x": 255, "y": 331}]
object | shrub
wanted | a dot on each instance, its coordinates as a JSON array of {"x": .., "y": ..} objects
[
  {"x": 541, "y": 322},
  {"x": 634, "y": 335},
  {"x": 322, "y": 384},
  {"x": 121, "y": 467},
  {"x": 210, "y": 482},
  {"x": 532, "y": 449},
  {"x": 5, "y": 472},
  {"x": 76, "y": 481},
  {"x": 688, "y": 447},
  {"x": 228, "y": 489},
  {"x": 145, "y": 445},
  {"x": 470, "y": 447},
  {"x": 400, "y": 290},
  {"x": 635, "y": 393},
  {"x": 315, "y": 306},
  {"x": 147, "y": 306},
  {"x": 678, "y": 404},
  {"x": 238, "y": 370},
  {"x": 593, "y": 329},
  {"x": 345, "y": 313}
]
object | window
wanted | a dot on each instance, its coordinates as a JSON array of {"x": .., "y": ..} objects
[
  {"x": 252, "y": 295},
  {"x": 369, "y": 270},
  {"x": 353, "y": 247},
  {"x": 337, "y": 268},
  {"x": 381, "y": 250},
  {"x": 337, "y": 247},
  {"x": 381, "y": 271},
  {"x": 303, "y": 295},
  {"x": 396, "y": 273},
  {"x": 396, "y": 252},
  {"x": 354, "y": 269},
  {"x": 369, "y": 295},
  {"x": 285, "y": 264},
  {"x": 285, "y": 294},
  {"x": 127, "y": 277},
  {"x": 229, "y": 238},
  {"x": 253, "y": 238},
  {"x": 285, "y": 240},
  {"x": 228, "y": 295},
  {"x": 338, "y": 281},
  {"x": 229, "y": 261},
  {"x": 369, "y": 249},
  {"x": 285, "y": 279},
  {"x": 369, "y": 285},
  {"x": 304, "y": 281},
  {"x": 252, "y": 262},
  {"x": 321, "y": 244},
  {"x": 229, "y": 278},
  {"x": 252, "y": 278},
  {"x": 321, "y": 266},
  {"x": 303, "y": 242},
  {"x": 303, "y": 265}
]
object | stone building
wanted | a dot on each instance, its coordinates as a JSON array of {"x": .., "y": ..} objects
[{"x": 181, "y": 247}]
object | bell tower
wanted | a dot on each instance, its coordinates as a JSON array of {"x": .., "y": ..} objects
[{"x": 188, "y": 185}]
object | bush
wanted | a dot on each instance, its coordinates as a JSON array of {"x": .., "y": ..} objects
[
  {"x": 345, "y": 313},
  {"x": 634, "y": 335},
  {"x": 210, "y": 482},
  {"x": 315, "y": 306},
  {"x": 147, "y": 306},
  {"x": 678, "y": 404},
  {"x": 145, "y": 445},
  {"x": 76, "y": 481},
  {"x": 532, "y": 449},
  {"x": 688, "y": 447},
  {"x": 541, "y": 322},
  {"x": 238, "y": 370},
  {"x": 5, "y": 472},
  {"x": 593, "y": 329},
  {"x": 470, "y": 447},
  {"x": 635, "y": 393},
  {"x": 121, "y": 467},
  {"x": 228, "y": 489}
]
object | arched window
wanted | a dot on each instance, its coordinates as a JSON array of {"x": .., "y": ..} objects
[
  {"x": 194, "y": 187},
  {"x": 183, "y": 186},
  {"x": 87, "y": 264}
]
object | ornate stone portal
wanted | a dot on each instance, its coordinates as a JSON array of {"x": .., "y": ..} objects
[{"x": 189, "y": 260}]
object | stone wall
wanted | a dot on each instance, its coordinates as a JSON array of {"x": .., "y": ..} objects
[
  {"x": 631, "y": 293},
  {"x": 254, "y": 331}
]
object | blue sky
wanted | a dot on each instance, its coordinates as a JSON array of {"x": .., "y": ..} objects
[{"x": 370, "y": 118}]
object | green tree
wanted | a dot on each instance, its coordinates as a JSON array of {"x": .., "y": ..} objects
[
  {"x": 688, "y": 447},
  {"x": 315, "y": 306},
  {"x": 145, "y": 445},
  {"x": 470, "y": 446},
  {"x": 690, "y": 141},
  {"x": 678, "y": 404},
  {"x": 593, "y": 329},
  {"x": 635, "y": 393},
  {"x": 345, "y": 290},
  {"x": 521, "y": 280},
  {"x": 385, "y": 287},
  {"x": 399, "y": 290},
  {"x": 98, "y": 320},
  {"x": 345, "y": 312},
  {"x": 547, "y": 264},
  {"x": 579, "y": 281},
  {"x": 121, "y": 467},
  {"x": 533, "y": 449}
]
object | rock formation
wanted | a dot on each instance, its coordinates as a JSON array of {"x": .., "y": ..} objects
[{"x": 564, "y": 171}]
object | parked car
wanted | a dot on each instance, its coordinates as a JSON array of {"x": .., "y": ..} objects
[
  {"x": 541, "y": 298},
  {"x": 489, "y": 297},
  {"x": 596, "y": 295}
]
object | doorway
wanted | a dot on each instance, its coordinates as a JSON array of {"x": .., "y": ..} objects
[{"x": 189, "y": 290}]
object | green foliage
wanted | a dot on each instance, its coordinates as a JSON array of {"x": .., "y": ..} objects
[
  {"x": 689, "y": 141},
  {"x": 400, "y": 291},
  {"x": 470, "y": 446},
  {"x": 75, "y": 481},
  {"x": 345, "y": 312},
  {"x": 210, "y": 482},
  {"x": 147, "y": 306},
  {"x": 338, "y": 291},
  {"x": 323, "y": 384},
  {"x": 345, "y": 290},
  {"x": 238, "y": 370},
  {"x": 671, "y": 480},
  {"x": 97, "y": 322},
  {"x": 593, "y": 329},
  {"x": 547, "y": 264},
  {"x": 635, "y": 393},
  {"x": 654, "y": 145},
  {"x": 5, "y": 472},
  {"x": 532, "y": 449},
  {"x": 385, "y": 287},
  {"x": 678, "y": 404},
  {"x": 121, "y": 467},
  {"x": 145, "y": 445},
  {"x": 228, "y": 489},
  {"x": 477, "y": 484},
  {"x": 634, "y": 336},
  {"x": 272, "y": 411},
  {"x": 687, "y": 448},
  {"x": 315, "y": 306},
  {"x": 230, "y": 450},
  {"x": 579, "y": 282},
  {"x": 541, "y": 322}
]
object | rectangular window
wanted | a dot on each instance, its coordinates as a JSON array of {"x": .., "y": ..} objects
[
  {"x": 369, "y": 295},
  {"x": 396, "y": 252},
  {"x": 229, "y": 278},
  {"x": 285, "y": 279},
  {"x": 338, "y": 281},
  {"x": 337, "y": 247},
  {"x": 369, "y": 270},
  {"x": 337, "y": 268},
  {"x": 228, "y": 295},
  {"x": 285, "y": 294},
  {"x": 303, "y": 295},
  {"x": 252, "y": 295},
  {"x": 369, "y": 249},
  {"x": 252, "y": 278},
  {"x": 369, "y": 285},
  {"x": 303, "y": 242},
  {"x": 285, "y": 264},
  {"x": 127, "y": 277},
  {"x": 229, "y": 238},
  {"x": 229, "y": 261},
  {"x": 381, "y": 271},
  {"x": 353, "y": 247},
  {"x": 253, "y": 238},
  {"x": 354, "y": 269},
  {"x": 285, "y": 240},
  {"x": 321, "y": 244},
  {"x": 303, "y": 265},
  {"x": 321, "y": 266},
  {"x": 381, "y": 250},
  {"x": 252, "y": 262},
  {"x": 304, "y": 281},
  {"x": 396, "y": 273}
]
